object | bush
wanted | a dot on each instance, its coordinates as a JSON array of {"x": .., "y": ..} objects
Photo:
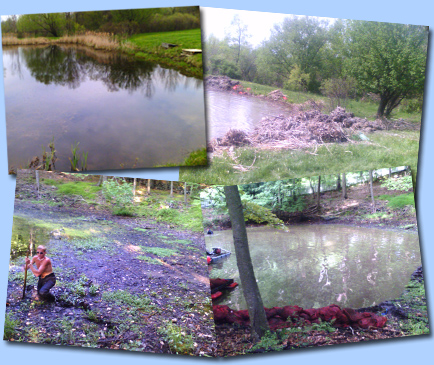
[
  {"x": 404, "y": 183},
  {"x": 120, "y": 195},
  {"x": 10, "y": 325}
]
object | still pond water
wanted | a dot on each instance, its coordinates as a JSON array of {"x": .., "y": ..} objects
[
  {"x": 117, "y": 108},
  {"x": 227, "y": 110},
  {"x": 314, "y": 266}
]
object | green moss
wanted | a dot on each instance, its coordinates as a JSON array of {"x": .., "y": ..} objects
[
  {"x": 86, "y": 189},
  {"x": 401, "y": 201}
]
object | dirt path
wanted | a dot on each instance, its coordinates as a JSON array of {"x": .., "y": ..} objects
[{"x": 131, "y": 284}]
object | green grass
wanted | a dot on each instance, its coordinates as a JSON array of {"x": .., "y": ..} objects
[
  {"x": 401, "y": 201},
  {"x": 361, "y": 109},
  {"x": 9, "y": 327},
  {"x": 160, "y": 252},
  {"x": 148, "y": 47},
  {"x": 179, "y": 341},
  {"x": 149, "y": 260},
  {"x": 86, "y": 189},
  {"x": 122, "y": 298},
  {"x": 90, "y": 244},
  {"x": 386, "y": 149},
  {"x": 189, "y": 217}
]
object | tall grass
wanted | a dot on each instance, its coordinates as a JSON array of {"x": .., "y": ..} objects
[
  {"x": 386, "y": 149},
  {"x": 102, "y": 41}
]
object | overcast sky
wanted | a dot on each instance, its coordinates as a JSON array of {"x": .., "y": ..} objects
[{"x": 259, "y": 24}]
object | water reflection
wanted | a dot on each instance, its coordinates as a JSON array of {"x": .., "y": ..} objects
[
  {"x": 22, "y": 231},
  {"x": 227, "y": 110},
  {"x": 118, "y": 108},
  {"x": 314, "y": 266}
]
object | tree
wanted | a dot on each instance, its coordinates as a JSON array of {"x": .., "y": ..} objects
[
  {"x": 237, "y": 37},
  {"x": 298, "y": 41},
  {"x": 258, "y": 319},
  {"x": 387, "y": 59},
  {"x": 45, "y": 23},
  {"x": 318, "y": 197},
  {"x": 9, "y": 25}
]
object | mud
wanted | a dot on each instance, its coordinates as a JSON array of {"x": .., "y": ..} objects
[{"x": 172, "y": 292}]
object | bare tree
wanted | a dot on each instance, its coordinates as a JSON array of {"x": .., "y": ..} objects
[{"x": 258, "y": 319}]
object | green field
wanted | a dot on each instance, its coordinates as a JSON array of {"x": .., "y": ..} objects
[{"x": 148, "y": 46}]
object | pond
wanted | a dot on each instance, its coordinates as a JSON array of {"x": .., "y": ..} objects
[
  {"x": 228, "y": 110},
  {"x": 22, "y": 231},
  {"x": 122, "y": 112},
  {"x": 317, "y": 265}
]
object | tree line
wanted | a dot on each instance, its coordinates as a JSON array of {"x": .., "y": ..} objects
[
  {"x": 346, "y": 58},
  {"x": 119, "y": 22}
]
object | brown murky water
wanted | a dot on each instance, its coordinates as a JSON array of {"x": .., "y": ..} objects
[
  {"x": 232, "y": 111},
  {"x": 314, "y": 266}
]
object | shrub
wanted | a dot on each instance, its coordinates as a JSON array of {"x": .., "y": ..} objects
[
  {"x": 120, "y": 195},
  {"x": 179, "y": 341},
  {"x": 404, "y": 183}
]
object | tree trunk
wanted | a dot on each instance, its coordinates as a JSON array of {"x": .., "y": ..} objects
[
  {"x": 344, "y": 186},
  {"x": 338, "y": 183},
  {"x": 149, "y": 186},
  {"x": 171, "y": 189},
  {"x": 382, "y": 106},
  {"x": 318, "y": 194},
  {"x": 371, "y": 183},
  {"x": 258, "y": 319},
  {"x": 102, "y": 179},
  {"x": 185, "y": 193}
]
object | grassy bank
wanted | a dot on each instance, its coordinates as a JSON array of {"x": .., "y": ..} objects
[
  {"x": 247, "y": 164},
  {"x": 148, "y": 46},
  {"x": 361, "y": 109},
  {"x": 145, "y": 46}
]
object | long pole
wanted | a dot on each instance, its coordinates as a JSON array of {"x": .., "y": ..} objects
[{"x": 25, "y": 268}]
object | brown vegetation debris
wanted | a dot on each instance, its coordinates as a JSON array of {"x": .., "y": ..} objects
[
  {"x": 220, "y": 82},
  {"x": 276, "y": 95},
  {"x": 302, "y": 129},
  {"x": 233, "y": 137}
]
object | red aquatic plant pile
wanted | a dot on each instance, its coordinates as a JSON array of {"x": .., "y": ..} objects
[{"x": 290, "y": 316}]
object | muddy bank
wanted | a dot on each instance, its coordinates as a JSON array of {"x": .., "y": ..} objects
[
  {"x": 122, "y": 283},
  {"x": 406, "y": 316},
  {"x": 306, "y": 125}
]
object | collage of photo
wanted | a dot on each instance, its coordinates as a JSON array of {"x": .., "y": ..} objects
[{"x": 292, "y": 223}]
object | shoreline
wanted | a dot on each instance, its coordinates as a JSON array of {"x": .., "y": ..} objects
[{"x": 108, "y": 43}]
